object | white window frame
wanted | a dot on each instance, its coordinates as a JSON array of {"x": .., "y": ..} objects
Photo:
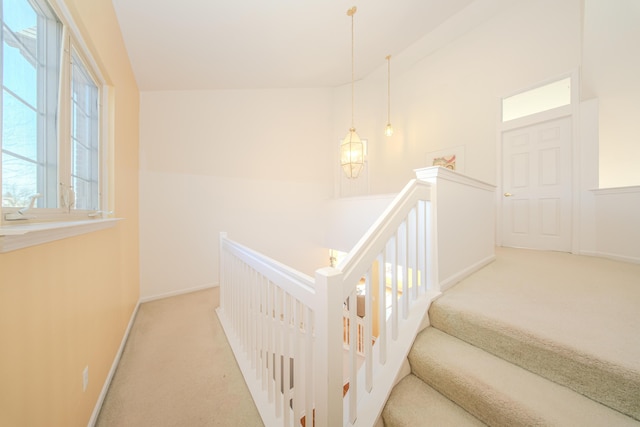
[
  {"x": 46, "y": 103},
  {"x": 47, "y": 224}
]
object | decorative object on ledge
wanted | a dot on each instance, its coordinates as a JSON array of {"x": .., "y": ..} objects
[
  {"x": 352, "y": 149},
  {"x": 450, "y": 158},
  {"x": 389, "y": 129}
]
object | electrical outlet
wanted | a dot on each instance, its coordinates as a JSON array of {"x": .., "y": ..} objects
[{"x": 85, "y": 378}]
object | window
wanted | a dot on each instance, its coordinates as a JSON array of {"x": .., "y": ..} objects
[
  {"x": 51, "y": 102},
  {"x": 542, "y": 98},
  {"x": 30, "y": 79},
  {"x": 84, "y": 136}
]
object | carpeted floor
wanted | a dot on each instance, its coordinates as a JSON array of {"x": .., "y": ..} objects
[
  {"x": 534, "y": 338},
  {"x": 571, "y": 319},
  {"x": 177, "y": 369},
  {"x": 584, "y": 302}
]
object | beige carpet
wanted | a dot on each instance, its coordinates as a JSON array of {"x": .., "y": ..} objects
[
  {"x": 572, "y": 319},
  {"x": 565, "y": 318},
  {"x": 177, "y": 369},
  {"x": 585, "y": 302}
]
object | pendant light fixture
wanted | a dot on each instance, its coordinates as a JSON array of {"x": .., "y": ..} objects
[
  {"x": 352, "y": 148},
  {"x": 389, "y": 129}
]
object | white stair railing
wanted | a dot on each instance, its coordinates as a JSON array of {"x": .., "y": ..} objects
[
  {"x": 396, "y": 256},
  {"x": 286, "y": 328}
]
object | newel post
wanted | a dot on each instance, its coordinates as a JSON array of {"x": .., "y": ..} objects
[{"x": 328, "y": 359}]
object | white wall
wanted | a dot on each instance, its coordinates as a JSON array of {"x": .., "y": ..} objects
[
  {"x": 446, "y": 93},
  {"x": 347, "y": 219},
  {"x": 465, "y": 242},
  {"x": 252, "y": 163},
  {"x": 261, "y": 164},
  {"x": 617, "y": 213},
  {"x": 611, "y": 66}
]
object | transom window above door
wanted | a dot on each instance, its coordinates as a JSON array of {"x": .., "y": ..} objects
[{"x": 542, "y": 98}]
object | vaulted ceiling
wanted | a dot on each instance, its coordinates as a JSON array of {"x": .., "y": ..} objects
[{"x": 249, "y": 44}]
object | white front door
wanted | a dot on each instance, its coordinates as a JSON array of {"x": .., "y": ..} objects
[{"x": 536, "y": 177}]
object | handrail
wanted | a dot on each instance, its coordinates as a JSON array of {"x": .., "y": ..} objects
[
  {"x": 402, "y": 244},
  {"x": 356, "y": 261},
  {"x": 291, "y": 280},
  {"x": 271, "y": 312}
]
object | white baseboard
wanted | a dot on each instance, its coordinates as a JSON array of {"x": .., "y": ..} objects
[
  {"x": 112, "y": 371},
  {"x": 614, "y": 257},
  {"x": 452, "y": 280},
  {"x": 178, "y": 292}
]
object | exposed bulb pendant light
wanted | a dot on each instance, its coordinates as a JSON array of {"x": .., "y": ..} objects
[
  {"x": 389, "y": 129},
  {"x": 352, "y": 148}
]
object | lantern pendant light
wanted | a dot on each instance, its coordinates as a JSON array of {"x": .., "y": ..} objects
[
  {"x": 389, "y": 129},
  {"x": 352, "y": 148}
]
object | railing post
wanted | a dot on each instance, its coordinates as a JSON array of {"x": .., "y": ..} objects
[
  {"x": 328, "y": 359},
  {"x": 221, "y": 269}
]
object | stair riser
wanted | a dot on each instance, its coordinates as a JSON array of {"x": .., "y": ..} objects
[
  {"x": 500, "y": 393},
  {"x": 483, "y": 403},
  {"x": 607, "y": 384}
]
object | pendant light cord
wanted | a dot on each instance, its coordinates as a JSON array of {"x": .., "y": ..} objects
[
  {"x": 352, "y": 12},
  {"x": 388, "y": 89}
]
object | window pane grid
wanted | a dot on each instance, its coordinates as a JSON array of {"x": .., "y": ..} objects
[
  {"x": 23, "y": 40},
  {"x": 84, "y": 137},
  {"x": 19, "y": 66},
  {"x": 17, "y": 192},
  {"x": 30, "y": 70},
  {"x": 34, "y": 68},
  {"x": 19, "y": 133}
]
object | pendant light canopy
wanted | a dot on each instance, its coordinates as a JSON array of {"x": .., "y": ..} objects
[
  {"x": 352, "y": 148},
  {"x": 389, "y": 129}
]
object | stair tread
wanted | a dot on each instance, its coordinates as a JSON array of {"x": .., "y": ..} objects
[
  {"x": 571, "y": 319},
  {"x": 614, "y": 385},
  {"x": 413, "y": 403},
  {"x": 501, "y": 393}
]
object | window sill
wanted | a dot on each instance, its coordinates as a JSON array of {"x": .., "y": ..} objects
[{"x": 13, "y": 237}]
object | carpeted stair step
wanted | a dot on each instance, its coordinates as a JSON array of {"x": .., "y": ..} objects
[
  {"x": 500, "y": 393},
  {"x": 413, "y": 403},
  {"x": 609, "y": 382}
]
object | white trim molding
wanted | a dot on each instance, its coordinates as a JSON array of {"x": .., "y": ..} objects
[
  {"x": 14, "y": 237},
  {"x": 114, "y": 366},
  {"x": 430, "y": 173},
  {"x": 178, "y": 292},
  {"x": 616, "y": 223}
]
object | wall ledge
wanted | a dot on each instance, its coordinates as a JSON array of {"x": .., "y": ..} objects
[
  {"x": 616, "y": 190},
  {"x": 431, "y": 173},
  {"x": 14, "y": 237}
]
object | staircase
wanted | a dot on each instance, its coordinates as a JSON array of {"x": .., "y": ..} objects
[
  {"x": 422, "y": 243},
  {"x": 493, "y": 353}
]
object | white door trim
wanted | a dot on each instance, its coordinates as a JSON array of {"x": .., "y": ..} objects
[{"x": 572, "y": 110}]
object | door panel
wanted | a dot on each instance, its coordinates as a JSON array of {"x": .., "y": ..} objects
[{"x": 537, "y": 186}]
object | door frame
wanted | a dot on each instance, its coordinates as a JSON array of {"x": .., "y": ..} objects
[{"x": 573, "y": 111}]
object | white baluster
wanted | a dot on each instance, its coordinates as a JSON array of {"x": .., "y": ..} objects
[
  {"x": 394, "y": 290},
  {"x": 310, "y": 373},
  {"x": 368, "y": 328},
  {"x": 382, "y": 316},
  {"x": 353, "y": 356}
]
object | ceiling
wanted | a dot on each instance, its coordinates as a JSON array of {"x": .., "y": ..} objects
[{"x": 251, "y": 44}]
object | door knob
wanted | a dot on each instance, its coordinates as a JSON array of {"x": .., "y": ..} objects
[{"x": 508, "y": 194}]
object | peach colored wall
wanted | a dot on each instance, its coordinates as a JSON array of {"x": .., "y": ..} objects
[{"x": 66, "y": 304}]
